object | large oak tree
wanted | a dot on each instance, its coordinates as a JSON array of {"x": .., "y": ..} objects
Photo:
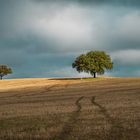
[{"x": 93, "y": 62}]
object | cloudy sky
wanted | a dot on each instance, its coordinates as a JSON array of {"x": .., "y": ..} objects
[{"x": 41, "y": 38}]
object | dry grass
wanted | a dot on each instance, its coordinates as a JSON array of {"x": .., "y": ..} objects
[{"x": 43, "y": 109}]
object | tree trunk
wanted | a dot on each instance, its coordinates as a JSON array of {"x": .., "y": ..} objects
[{"x": 94, "y": 74}]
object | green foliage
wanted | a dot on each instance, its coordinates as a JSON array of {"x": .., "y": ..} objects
[
  {"x": 4, "y": 70},
  {"x": 93, "y": 62}
]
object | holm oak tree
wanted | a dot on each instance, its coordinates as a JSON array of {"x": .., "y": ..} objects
[{"x": 93, "y": 62}]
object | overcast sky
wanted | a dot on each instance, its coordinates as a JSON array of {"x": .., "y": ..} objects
[{"x": 41, "y": 38}]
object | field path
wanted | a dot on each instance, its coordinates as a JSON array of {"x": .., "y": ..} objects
[
  {"x": 103, "y": 111},
  {"x": 117, "y": 131},
  {"x": 68, "y": 126}
]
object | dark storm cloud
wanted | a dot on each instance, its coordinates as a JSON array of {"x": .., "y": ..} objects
[
  {"x": 117, "y": 2},
  {"x": 135, "y": 3}
]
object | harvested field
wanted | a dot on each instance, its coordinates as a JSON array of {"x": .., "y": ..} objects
[{"x": 51, "y": 109}]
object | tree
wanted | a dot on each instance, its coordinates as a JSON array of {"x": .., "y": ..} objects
[
  {"x": 93, "y": 62},
  {"x": 4, "y": 70}
]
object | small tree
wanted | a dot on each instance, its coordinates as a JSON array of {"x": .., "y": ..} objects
[
  {"x": 93, "y": 62},
  {"x": 4, "y": 70}
]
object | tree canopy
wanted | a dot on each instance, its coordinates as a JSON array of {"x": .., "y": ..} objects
[
  {"x": 93, "y": 62},
  {"x": 4, "y": 70}
]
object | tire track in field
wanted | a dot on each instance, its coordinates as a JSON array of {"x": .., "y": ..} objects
[
  {"x": 68, "y": 126},
  {"x": 27, "y": 94},
  {"x": 19, "y": 95},
  {"x": 103, "y": 110},
  {"x": 47, "y": 89},
  {"x": 116, "y": 130}
]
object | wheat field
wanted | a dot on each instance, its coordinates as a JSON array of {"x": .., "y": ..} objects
[{"x": 70, "y": 109}]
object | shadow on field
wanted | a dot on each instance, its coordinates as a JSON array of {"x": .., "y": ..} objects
[
  {"x": 74, "y": 78},
  {"x": 64, "y": 79},
  {"x": 117, "y": 131},
  {"x": 67, "y": 128}
]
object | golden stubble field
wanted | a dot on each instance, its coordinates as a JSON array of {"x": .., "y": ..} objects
[{"x": 51, "y": 109}]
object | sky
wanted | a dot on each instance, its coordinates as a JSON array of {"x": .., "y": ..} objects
[{"x": 42, "y": 38}]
